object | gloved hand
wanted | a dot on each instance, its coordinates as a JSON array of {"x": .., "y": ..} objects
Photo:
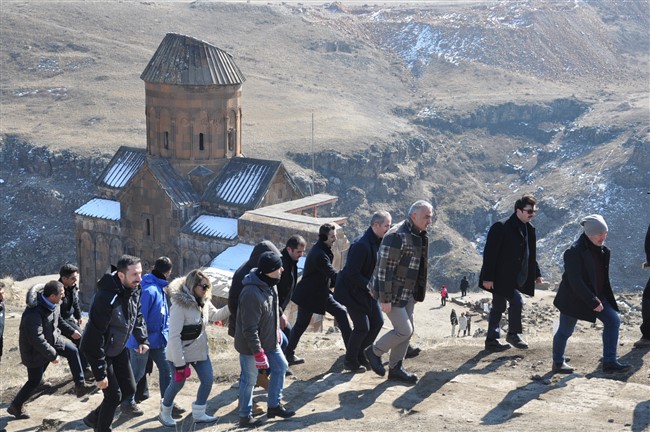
[
  {"x": 261, "y": 361},
  {"x": 182, "y": 373}
]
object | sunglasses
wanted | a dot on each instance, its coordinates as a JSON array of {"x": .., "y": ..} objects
[
  {"x": 204, "y": 286},
  {"x": 529, "y": 211}
]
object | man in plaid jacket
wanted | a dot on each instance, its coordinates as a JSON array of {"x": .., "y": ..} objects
[{"x": 400, "y": 280}]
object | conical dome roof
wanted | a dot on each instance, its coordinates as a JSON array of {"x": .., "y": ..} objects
[{"x": 184, "y": 60}]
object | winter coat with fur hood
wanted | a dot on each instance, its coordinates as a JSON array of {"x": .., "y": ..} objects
[
  {"x": 39, "y": 337},
  {"x": 186, "y": 310}
]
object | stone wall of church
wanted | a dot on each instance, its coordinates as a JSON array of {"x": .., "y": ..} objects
[
  {"x": 197, "y": 123},
  {"x": 99, "y": 245}
]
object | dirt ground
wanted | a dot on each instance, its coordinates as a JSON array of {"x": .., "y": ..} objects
[{"x": 461, "y": 386}]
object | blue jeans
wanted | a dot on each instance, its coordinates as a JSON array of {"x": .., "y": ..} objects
[
  {"x": 499, "y": 303},
  {"x": 203, "y": 370},
  {"x": 611, "y": 323},
  {"x": 278, "y": 365},
  {"x": 139, "y": 365}
]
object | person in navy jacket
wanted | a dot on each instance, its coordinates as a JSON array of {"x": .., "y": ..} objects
[{"x": 352, "y": 291}]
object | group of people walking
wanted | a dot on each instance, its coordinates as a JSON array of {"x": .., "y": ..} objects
[{"x": 136, "y": 319}]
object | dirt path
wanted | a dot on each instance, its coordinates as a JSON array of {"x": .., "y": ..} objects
[{"x": 461, "y": 386}]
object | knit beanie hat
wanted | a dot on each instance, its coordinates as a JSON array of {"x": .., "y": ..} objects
[
  {"x": 269, "y": 262},
  {"x": 594, "y": 224}
]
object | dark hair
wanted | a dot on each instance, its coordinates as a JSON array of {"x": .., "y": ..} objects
[
  {"x": 52, "y": 287},
  {"x": 68, "y": 270},
  {"x": 295, "y": 241},
  {"x": 163, "y": 264},
  {"x": 379, "y": 217},
  {"x": 526, "y": 199},
  {"x": 324, "y": 231},
  {"x": 125, "y": 261}
]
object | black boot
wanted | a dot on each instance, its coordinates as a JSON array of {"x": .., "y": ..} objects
[{"x": 398, "y": 373}]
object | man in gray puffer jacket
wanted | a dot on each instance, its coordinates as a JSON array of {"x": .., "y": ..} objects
[{"x": 257, "y": 338}]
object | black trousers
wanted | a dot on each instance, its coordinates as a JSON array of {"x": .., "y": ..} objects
[
  {"x": 121, "y": 386},
  {"x": 334, "y": 308},
  {"x": 367, "y": 325},
  {"x": 645, "y": 311}
]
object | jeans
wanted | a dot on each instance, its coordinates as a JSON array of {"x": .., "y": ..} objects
[
  {"x": 367, "y": 326},
  {"x": 611, "y": 323},
  {"x": 139, "y": 366},
  {"x": 34, "y": 377},
  {"x": 499, "y": 304},
  {"x": 332, "y": 307},
  {"x": 72, "y": 355},
  {"x": 73, "y": 322},
  {"x": 278, "y": 365},
  {"x": 203, "y": 370},
  {"x": 121, "y": 386},
  {"x": 397, "y": 340}
]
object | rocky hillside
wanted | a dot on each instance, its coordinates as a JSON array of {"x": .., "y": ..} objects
[{"x": 465, "y": 104}]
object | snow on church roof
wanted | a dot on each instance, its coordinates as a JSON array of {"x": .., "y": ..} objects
[
  {"x": 242, "y": 183},
  {"x": 100, "y": 208},
  {"x": 214, "y": 226},
  {"x": 125, "y": 163}
]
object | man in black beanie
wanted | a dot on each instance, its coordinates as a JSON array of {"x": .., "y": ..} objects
[{"x": 257, "y": 338}]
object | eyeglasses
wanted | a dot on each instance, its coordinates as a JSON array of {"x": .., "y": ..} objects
[
  {"x": 529, "y": 211},
  {"x": 204, "y": 286}
]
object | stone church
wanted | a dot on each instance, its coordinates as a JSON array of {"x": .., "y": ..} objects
[{"x": 191, "y": 193}]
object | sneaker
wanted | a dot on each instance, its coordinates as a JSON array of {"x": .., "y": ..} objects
[
  {"x": 398, "y": 373},
  {"x": 82, "y": 389},
  {"x": 516, "y": 340},
  {"x": 131, "y": 410},
  {"x": 354, "y": 368},
  {"x": 562, "y": 368},
  {"x": 615, "y": 366},
  {"x": 18, "y": 412},
  {"x": 279, "y": 411},
  {"x": 375, "y": 361},
  {"x": 288, "y": 372},
  {"x": 249, "y": 422},
  {"x": 642, "y": 343},
  {"x": 496, "y": 345},
  {"x": 177, "y": 411},
  {"x": 294, "y": 360},
  {"x": 412, "y": 352}
]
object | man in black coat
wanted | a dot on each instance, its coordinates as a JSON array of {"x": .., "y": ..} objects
[
  {"x": 585, "y": 293},
  {"x": 114, "y": 315},
  {"x": 352, "y": 291},
  {"x": 509, "y": 269},
  {"x": 70, "y": 320},
  {"x": 291, "y": 253},
  {"x": 41, "y": 343},
  {"x": 464, "y": 284},
  {"x": 644, "y": 342},
  {"x": 313, "y": 295}
]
